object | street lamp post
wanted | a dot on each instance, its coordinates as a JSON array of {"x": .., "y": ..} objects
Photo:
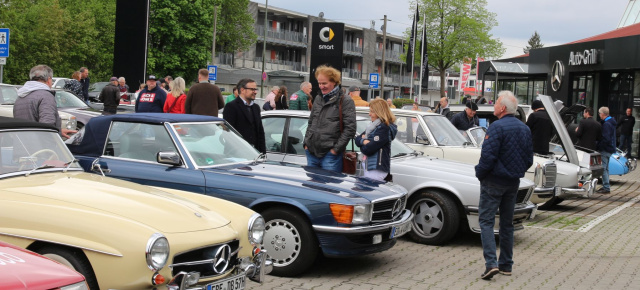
[
  {"x": 264, "y": 49},
  {"x": 384, "y": 46}
]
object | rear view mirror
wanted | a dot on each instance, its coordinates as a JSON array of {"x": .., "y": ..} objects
[
  {"x": 422, "y": 139},
  {"x": 169, "y": 158}
]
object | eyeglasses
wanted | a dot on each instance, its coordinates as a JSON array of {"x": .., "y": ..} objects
[{"x": 253, "y": 89}]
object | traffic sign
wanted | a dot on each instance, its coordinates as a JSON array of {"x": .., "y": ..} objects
[
  {"x": 374, "y": 80},
  {"x": 3, "y": 60},
  {"x": 264, "y": 76},
  {"x": 4, "y": 42},
  {"x": 213, "y": 72}
]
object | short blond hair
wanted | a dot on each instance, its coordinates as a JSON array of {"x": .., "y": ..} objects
[
  {"x": 332, "y": 74},
  {"x": 381, "y": 109},
  {"x": 177, "y": 87}
]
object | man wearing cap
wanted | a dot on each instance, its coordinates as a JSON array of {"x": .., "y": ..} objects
[
  {"x": 467, "y": 118},
  {"x": 204, "y": 98},
  {"x": 354, "y": 92},
  {"x": 110, "y": 97},
  {"x": 151, "y": 99},
  {"x": 541, "y": 128}
]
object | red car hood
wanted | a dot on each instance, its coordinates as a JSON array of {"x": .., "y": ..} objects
[{"x": 22, "y": 269}]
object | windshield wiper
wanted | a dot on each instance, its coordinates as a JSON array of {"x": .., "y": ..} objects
[
  {"x": 400, "y": 154},
  {"x": 68, "y": 164},
  {"x": 467, "y": 143},
  {"x": 264, "y": 156}
]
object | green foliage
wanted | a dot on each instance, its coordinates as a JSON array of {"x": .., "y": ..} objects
[
  {"x": 456, "y": 29},
  {"x": 63, "y": 34},
  {"x": 534, "y": 42},
  {"x": 181, "y": 34},
  {"x": 401, "y": 102}
]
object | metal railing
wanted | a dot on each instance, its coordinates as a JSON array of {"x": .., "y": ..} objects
[
  {"x": 353, "y": 47},
  {"x": 351, "y": 73},
  {"x": 225, "y": 59},
  {"x": 276, "y": 64},
  {"x": 282, "y": 35},
  {"x": 390, "y": 55}
]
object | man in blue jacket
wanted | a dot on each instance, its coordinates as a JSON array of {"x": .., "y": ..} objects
[
  {"x": 152, "y": 98},
  {"x": 606, "y": 146},
  {"x": 507, "y": 153}
]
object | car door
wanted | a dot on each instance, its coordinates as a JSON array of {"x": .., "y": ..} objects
[
  {"x": 294, "y": 134},
  {"x": 130, "y": 154},
  {"x": 274, "y": 137}
]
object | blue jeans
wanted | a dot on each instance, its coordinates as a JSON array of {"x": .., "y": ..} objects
[
  {"x": 605, "y": 174},
  {"x": 625, "y": 143},
  {"x": 328, "y": 162},
  {"x": 493, "y": 197}
]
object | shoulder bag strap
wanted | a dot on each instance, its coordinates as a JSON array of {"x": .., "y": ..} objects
[{"x": 342, "y": 123}]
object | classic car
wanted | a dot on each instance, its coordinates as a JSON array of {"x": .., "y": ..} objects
[
  {"x": 434, "y": 135},
  {"x": 22, "y": 269},
  {"x": 443, "y": 195},
  {"x": 620, "y": 164},
  {"x": 58, "y": 83},
  {"x": 118, "y": 234},
  {"x": 95, "y": 89},
  {"x": 307, "y": 210}
]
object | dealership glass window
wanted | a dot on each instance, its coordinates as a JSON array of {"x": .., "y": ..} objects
[{"x": 521, "y": 92}]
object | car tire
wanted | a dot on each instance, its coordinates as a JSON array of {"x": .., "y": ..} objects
[
  {"x": 289, "y": 240},
  {"x": 549, "y": 204},
  {"x": 436, "y": 218},
  {"x": 74, "y": 259}
]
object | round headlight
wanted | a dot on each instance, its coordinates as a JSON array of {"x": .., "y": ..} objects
[
  {"x": 256, "y": 229},
  {"x": 157, "y": 251}
]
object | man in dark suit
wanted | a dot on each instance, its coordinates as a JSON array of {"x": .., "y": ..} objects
[
  {"x": 589, "y": 131},
  {"x": 541, "y": 128},
  {"x": 244, "y": 115}
]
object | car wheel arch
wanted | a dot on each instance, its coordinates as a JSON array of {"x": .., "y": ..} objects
[
  {"x": 79, "y": 255},
  {"x": 447, "y": 192},
  {"x": 259, "y": 205}
]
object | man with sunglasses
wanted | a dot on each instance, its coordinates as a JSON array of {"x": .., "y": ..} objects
[
  {"x": 244, "y": 115},
  {"x": 204, "y": 98}
]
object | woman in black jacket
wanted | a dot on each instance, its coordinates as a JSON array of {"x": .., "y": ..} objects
[{"x": 281, "y": 99}]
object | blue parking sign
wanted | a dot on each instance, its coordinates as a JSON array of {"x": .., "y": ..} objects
[
  {"x": 213, "y": 72},
  {"x": 374, "y": 80},
  {"x": 4, "y": 42}
]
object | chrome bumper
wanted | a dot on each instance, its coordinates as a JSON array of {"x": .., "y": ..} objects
[
  {"x": 520, "y": 214},
  {"x": 406, "y": 217},
  {"x": 588, "y": 188},
  {"x": 255, "y": 269}
]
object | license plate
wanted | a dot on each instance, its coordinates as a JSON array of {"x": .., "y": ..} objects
[
  {"x": 233, "y": 283},
  {"x": 400, "y": 230},
  {"x": 557, "y": 191}
]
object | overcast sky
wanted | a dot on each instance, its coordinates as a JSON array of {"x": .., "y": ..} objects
[{"x": 557, "y": 22}]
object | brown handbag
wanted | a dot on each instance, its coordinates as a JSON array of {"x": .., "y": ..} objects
[{"x": 349, "y": 159}]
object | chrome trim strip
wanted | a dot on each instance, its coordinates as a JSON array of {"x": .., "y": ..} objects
[
  {"x": 406, "y": 217},
  {"x": 208, "y": 246},
  {"x": 64, "y": 244},
  {"x": 389, "y": 197},
  {"x": 43, "y": 170}
]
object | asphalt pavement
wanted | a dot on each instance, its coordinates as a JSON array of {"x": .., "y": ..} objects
[{"x": 588, "y": 243}]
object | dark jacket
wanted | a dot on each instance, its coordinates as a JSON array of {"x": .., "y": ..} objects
[
  {"x": 507, "y": 152},
  {"x": 541, "y": 130},
  {"x": 204, "y": 99},
  {"x": 246, "y": 120},
  {"x": 444, "y": 112},
  {"x": 151, "y": 101},
  {"x": 378, "y": 150},
  {"x": 626, "y": 123},
  {"x": 462, "y": 122},
  {"x": 110, "y": 97},
  {"x": 282, "y": 103},
  {"x": 75, "y": 87},
  {"x": 323, "y": 131},
  {"x": 608, "y": 141},
  {"x": 589, "y": 133},
  {"x": 85, "y": 88},
  {"x": 298, "y": 101}
]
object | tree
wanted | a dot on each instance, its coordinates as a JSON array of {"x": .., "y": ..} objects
[
  {"x": 456, "y": 29},
  {"x": 181, "y": 31},
  {"x": 534, "y": 42}
]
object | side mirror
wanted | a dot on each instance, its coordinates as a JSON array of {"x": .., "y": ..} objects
[
  {"x": 422, "y": 139},
  {"x": 169, "y": 158}
]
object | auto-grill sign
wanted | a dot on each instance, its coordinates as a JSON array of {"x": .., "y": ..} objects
[{"x": 586, "y": 57}]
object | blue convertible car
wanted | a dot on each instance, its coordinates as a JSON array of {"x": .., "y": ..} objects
[{"x": 307, "y": 210}]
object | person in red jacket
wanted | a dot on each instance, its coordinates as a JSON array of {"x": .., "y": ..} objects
[{"x": 176, "y": 98}]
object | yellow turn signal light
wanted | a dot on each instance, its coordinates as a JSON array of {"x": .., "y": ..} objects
[{"x": 342, "y": 213}]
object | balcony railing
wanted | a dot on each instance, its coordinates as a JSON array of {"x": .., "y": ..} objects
[
  {"x": 390, "y": 55},
  {"x": 276, "y": 64},
  {"x": 351, "y": 73},
  {"x": 224, "y": 59},
  {"x": 282, "y": 36},
  {"x": 352, "y": 47}
]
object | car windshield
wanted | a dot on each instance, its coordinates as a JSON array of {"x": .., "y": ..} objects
[
  {"x": 212, "y": 144},
  {"x": 68, "y": 100},
  {"x": 443, "y": 131},
  {"x": 97, "y": 87},
  {"x": 397, "y": 147},
  {"x": 8, "y": 96},
  {"x": 27, "y": 150}
]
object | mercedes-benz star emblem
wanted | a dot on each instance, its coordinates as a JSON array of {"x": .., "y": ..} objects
[
  {"x": 221, "y": 261},
  {"x": 397, "y": 207},
  {"x": 557, "y": 73}
]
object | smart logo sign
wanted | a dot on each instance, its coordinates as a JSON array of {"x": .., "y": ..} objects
[{"x": 326, "y": 48}]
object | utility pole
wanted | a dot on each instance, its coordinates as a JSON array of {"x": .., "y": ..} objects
[
  {"x": 384, "y": 46},
  {"x": 215, "y": 28},
  {"x": 264, "y": 49}
]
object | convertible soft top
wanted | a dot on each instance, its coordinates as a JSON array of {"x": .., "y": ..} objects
[
  {"x": 95, "y": 132},
  {"x": 14, "y": 123}
]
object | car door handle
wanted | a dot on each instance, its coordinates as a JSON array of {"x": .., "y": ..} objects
[{"x": 98, "y": 168}]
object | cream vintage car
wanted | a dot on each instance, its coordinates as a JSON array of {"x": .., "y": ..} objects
[{"x": 118, "y": 234}]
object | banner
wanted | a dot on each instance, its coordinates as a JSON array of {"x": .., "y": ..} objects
[
  {"x": 410, "y": 48},
  {"x": 465, "y": 70},
  {"x": 425, "y": 59},
  {"x": 478, "y": 77}
]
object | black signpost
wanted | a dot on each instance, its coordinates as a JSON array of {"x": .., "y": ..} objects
[{"x": 326, "y": 49}]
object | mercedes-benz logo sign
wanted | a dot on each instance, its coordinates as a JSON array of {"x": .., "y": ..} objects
[
  {"x": 326, "y": 34},
  {"x": 221, "y": 261},
  {"x": 397, "y": 207},
  {"x": 557, "y": 73}
]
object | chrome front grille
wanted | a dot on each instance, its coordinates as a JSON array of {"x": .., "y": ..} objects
[
  {"x": 389, "y": 209},
  {"x": 549, "y": 171},
  {"x": 208, "y": 261}
]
